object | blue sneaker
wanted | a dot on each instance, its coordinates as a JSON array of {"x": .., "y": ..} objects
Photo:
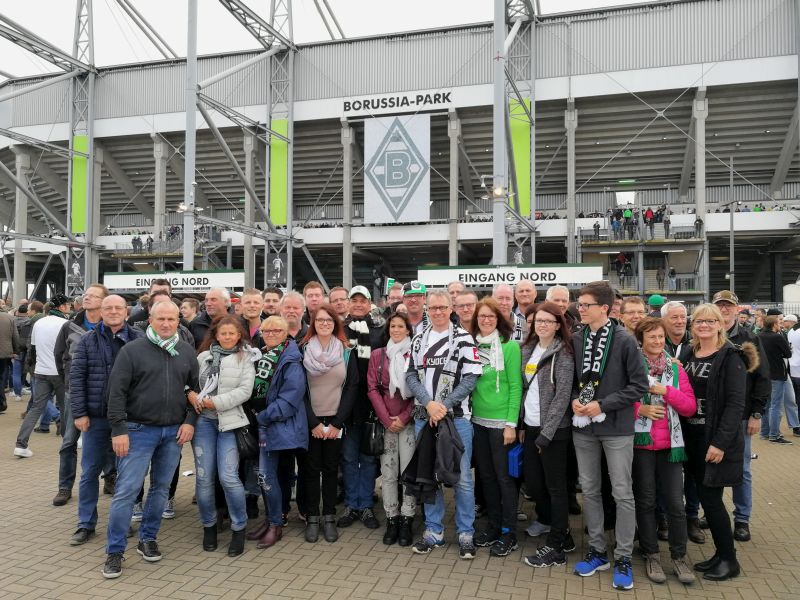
[
  {"x": 623, "y": 573},
  {"x": 593, "y": 562},
  {"x": 429, "y": 541}
]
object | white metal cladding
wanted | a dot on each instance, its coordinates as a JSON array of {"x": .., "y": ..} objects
[{"x": 48, "y": 105}]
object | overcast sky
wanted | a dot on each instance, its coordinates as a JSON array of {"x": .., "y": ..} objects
[{"x": 118, "y": 41}]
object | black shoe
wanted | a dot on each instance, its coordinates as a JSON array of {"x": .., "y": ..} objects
[
  {"x": 210, "y": 538},
  {"x": 574, "y": 507},
  {"x": 236, "y": 547},
  {"x": 546, "y": 557},
  {"x": 252, "y": 506},
  {"x": 405, "y": 533},
  {"x": 702, "y": 523},
  {"x": 350, "y": 516},
  {"x": 569, "y": 543},
  {"x": 285, "y": 519},
  {"x": 113, "y": 567},
  {"x": 62, "y": 497},
  {"x": 110, "y": 483},
  {"x": 722, "y": 570},
  {"x": 392, "y": 531},
  {"x": 707, "y": 565},
  {"x": 368, "y": 519},
  {"x": 505, "y": 545},
  {"x": 312, "y": 529},
  {"x": 479, "y": 511},
  {"x": 694, "y": 531},
  {"x": 149, "y": 551},
  {"x": 780, "y": 440},
  {"x": 796, "y": 432},
  {"x": 41, "y": 430},
  {"x": 741, "y": 532},
  {"x": 466, "y": 550},
  {"x": 663, "y": 528},
  {"x": 486, "y": 538},
  {"x": 329, "y": 531},
  {"x": 81, "y": 536}
]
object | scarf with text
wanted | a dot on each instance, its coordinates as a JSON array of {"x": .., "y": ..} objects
[
  {"x": 419, "y": 351},
  {"x": 665, "y": 371},
  {"x": 265, "y": 369},
  {"x": 596, "y": 349}
]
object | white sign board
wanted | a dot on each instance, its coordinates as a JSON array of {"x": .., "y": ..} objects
[
  {"x": 397, "y": 179},
  {"x": 398, "y": 103},
  {"x": 489, "y": 276},
  {"x": 184, "y": 281}
]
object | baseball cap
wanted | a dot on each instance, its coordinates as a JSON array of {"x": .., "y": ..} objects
[
  {"x": 790, "y": 318},
  {"x": 414, "y": 287},
  {"x": 725, "y": 296},
  {"x": 59, "y": 299},
  {"x": 360, "y": 289},
  {"x": 745, "y": 311},
  {"x": 656, "y": 300},
  {"x": 774, "y": 312}
]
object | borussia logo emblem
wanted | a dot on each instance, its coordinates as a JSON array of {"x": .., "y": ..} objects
[{"x": 396, "y": 169}]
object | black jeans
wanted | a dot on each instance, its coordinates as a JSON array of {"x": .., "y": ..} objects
[
  {"x": 287, "y": 475},
  {"x": 322, "y": 461},
  {"x": 649, "y": 467},
  {"x": 499, "y": 489},
  {"x": 546, "y": 481},
  {"x": 719, "y": 520}
]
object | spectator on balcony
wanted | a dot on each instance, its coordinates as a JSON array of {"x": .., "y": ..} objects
[
  {"x": 666, "y": 222},
  {"x": 661, "y": 274},
  {"x": 698, "y": 227},
  {"x": 672, "y": 279},
  {"x": 596, "y": 228},
  {"x": 649, "y": 219},
  {"x": 616, "y": 228}
]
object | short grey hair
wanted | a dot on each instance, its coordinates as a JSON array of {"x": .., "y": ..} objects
[
  {"x": 226, "y": 295},
  {"x": 499, "y": 286},
  {"x": 550, "y": 290},
  {"x": 456, "y": 282},
  {"x": 673, "y": 304},
  {"x": 439, "y": 294},
  {"x": 295, "y": 296}
]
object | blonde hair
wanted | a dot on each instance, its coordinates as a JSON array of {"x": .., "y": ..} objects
[
  {"x": 708, "y": 311},
  {"x": 277, "y": 321}
]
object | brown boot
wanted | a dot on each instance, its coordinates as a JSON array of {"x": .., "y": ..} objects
[
  {"x": 257, "y": 533},
  {"x": 273, "y": 535}
]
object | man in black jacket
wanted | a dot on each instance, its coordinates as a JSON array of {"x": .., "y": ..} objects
[
  {"x": 150, "y": 421},
  {"x": 217, "y": 303},
  {"x": 757, "y": 393}
]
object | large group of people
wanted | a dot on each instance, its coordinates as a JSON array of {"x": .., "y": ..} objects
[{"x": 313, "y": 396}]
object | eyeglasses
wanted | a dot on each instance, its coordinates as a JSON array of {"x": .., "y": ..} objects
[
  {"x": 545, "y": 322},
  {"x": 272, "y": 331},
  {"x": 586, "y": 305},
  {"x": 488, "y": 317},
  {"x": 708, "y": 322},
  {"x": 323, "y": 321},
  {"x": 463, "y": 306},
  {"x": 437, "y": 308},
  {"x": 634, "y": 312}
]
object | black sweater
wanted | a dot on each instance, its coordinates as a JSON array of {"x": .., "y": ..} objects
[
  {"x": 776, "y": 347},
  {"x": 148, "y": 386}
]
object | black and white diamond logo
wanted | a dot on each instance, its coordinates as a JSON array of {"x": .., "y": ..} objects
[{"x": 396, "y": 169}]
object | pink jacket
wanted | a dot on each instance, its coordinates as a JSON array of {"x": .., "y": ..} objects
[
  {"x": 386, "y": 406},
  {"x": 684, "y": 403}
]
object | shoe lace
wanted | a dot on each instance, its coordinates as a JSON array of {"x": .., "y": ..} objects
[
  {"x": 623, "y": 566},
  {"x": 115, "y": 560},
  {"x": 367, "y": 513}
]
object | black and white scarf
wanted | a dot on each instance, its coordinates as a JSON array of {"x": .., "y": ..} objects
[
  {"x": 447, "y": 376},
  {"x": 595, "y": 352},
  {"x": 357, "y": 331}
]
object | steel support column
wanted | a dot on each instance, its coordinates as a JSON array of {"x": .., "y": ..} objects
[
  {"x": 23, "y": 169},
  {"x": 347, "y": 205},
  {"x": 454, "y": 133},
  {"x": 571, "y": 124},
  {"x": 160, "y": 154},
  {"x": 190, "y": 100},
  {"x": 250, "y": 156},
  {"x": 700, "y": 113},
  {"x": 499, "y": 179}
]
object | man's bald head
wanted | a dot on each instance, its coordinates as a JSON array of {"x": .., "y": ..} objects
[{"x": 113, "y": 310}]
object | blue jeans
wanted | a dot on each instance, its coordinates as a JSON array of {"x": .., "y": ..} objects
[
  {"x": 270, "y": 486},
  {"x": 782, "y": 396},
  {"x": 16, "y": 374},
  {"x": 46, "y": 386},
  {"x": 96, "y": 446},
  {"x": 216, "y": 454},
  {"x": 358, "y": 470},
  {"x": 149, "y": 444},
  {"x": 464, "y": 490},
  {"x": 743, "y": 493}
]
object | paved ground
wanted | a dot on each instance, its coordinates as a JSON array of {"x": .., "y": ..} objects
[{"x": 36, "y": 560}]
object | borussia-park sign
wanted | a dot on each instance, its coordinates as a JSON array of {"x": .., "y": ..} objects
[
  {"x": 185, "y": 281},
  {"x": 487, "y": 276},
  {"x": 397, "y": 103}
]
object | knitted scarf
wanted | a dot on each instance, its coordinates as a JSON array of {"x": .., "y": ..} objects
[
  {"x": 168, "y": 344},
  {"x": 217, "y": 354},
  {"x": 396, "y": 353},
  {"x": 318, "y": 360},
  {"x": 596, "y": 349},
  {"x": 665, "y": 372},
  {"x": 358, "y": 333},
  {"x": 54, "y": 312},
  {"x": 265, "y": 370},
  {"x": 446, "y": 382},
  {"x": 490, "y": 353}
]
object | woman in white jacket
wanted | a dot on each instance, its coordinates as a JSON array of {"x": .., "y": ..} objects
[{"x": 227, "y": 358}]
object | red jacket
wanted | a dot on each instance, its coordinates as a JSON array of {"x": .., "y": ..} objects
[
  {"x": 684, "y": 403},
  {"x": 386, "y": 406}
]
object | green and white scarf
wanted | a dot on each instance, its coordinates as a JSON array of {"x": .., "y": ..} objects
[
  {"x": 490, "y": 353},
  {"x": 168, "y": 344},
  {"x": 658, "y": 369},
  {"x": 596, "y": 349},
  {"x": 265, "y": 369}
]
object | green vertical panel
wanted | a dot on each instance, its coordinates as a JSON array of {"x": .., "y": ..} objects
[
  {"x": 278, "y": 173},
  {"x": 80, "y": 143},
  {"x": 521, "y": 142}
]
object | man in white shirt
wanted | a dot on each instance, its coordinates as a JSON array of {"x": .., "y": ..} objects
[
  {"x": 793, "y": 335},
  {"x": 48, "y": 381}
]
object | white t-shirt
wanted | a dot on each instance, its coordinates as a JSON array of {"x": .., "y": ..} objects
[
  {"x": 43, "y": 336},
  {"x": 533, "y": 412},
  {"x": 794, "y": 362}
]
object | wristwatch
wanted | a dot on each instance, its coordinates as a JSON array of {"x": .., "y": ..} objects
[{"x": 756, "y": 416}]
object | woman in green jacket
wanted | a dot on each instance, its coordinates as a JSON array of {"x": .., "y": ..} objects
[{"x": 495, "y": 413}]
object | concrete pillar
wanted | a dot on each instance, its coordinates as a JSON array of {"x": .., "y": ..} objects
[
  {"x": 700, "y": 113},
  {"x": 160, "y": 154},
  {"x": 571, "y": 124},
  {"x": 250, "y": 158},
  {"x": 92, "y": 259},
  {"x": 23, "y": 167},
  {"x": 454, "y": 133},
  {"x": 347, "y": 205}
]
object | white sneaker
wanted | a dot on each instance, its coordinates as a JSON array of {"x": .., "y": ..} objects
[
  {"x": 536, "y": 529},
  {"x": 23, "y": 452},
  {"x": 17, "y": 398}
]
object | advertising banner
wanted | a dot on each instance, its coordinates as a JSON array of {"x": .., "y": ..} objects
[
  {"x": 183, "y": 281},
  {"x": 489, "y": 276}
]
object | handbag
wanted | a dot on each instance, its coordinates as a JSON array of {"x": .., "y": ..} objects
[
  {"x": 247, "y": 442},
  {"x": 372, "y": 428}
]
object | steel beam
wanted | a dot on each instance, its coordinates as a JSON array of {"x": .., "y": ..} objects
[
  {"x": 499, "y": 163},
  {"x": 147, "y": 29},
  {"x": 42, "y": 274},
  {"x": 190, "y": 99},
  {"x": 178, "y": 166},
  {"x": 241, "y": 120},
  {"x": 347, "y": 205},
  {"x": 454, "y": 133},
  {"x": 571, "y": 124},
  {"x": 41, "y": 144},
  {"x": 238, "y": 67},
  {"x": 117, "y": 173},
  {"x": 250, "y": 156},
  {"x": 160, "y": 154},
  {"x": 317, "y": 272},
  {"x": 41, "y": 85},
  {"x": 788, "y": 151},
  {"x": 43, "y": 50},
  {"x": 264, "y": 32}
]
